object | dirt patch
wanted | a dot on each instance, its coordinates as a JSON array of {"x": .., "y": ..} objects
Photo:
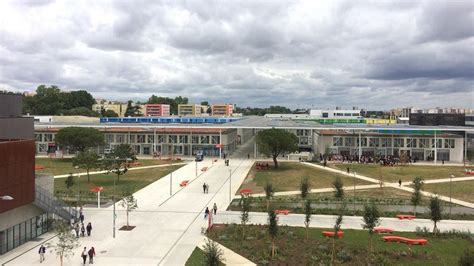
[{"x": 127, "y": 228}]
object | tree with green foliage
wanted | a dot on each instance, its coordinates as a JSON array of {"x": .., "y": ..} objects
[
  {"x": 83, "y": 111},
  {"x": 69, "y": 181},
  {"x": 304, "y": 188},
  {"x": 80, "y": 98},
  {"x": 273, "y": 142},
  {"x": 307, "y": 216},
  {"x": 79, "y": 138},
  {"x": 337, "y": 228},
  {"x": 244, "y": 215},
  {"x": 172, "y": 102},
  {"x": 132, "y": 109},
  {"x": 108, "y": 113},
  {"x": 214, "y": 255},
  {"x": 118, "y": 160},
  {"x": 416, "y": 195},
  {"x": 206, "y": 103},
  {"x": 338, "y": 188},
  {"x": 129, "y": 202},
  {"x": 467, "y": 257},
  {"x": 371, "y": 218},
  {"x": 269, "y": 191},
  {"x": 66, "y": 243},
  {"x": 272, "y": 228},
  {"x": 436, "y": 212},
  {"x": 86, "y": 160}
]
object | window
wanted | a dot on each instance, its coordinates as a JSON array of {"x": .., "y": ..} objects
[
  {"x": 374, "y": 142},
  {"x": 215, "y": 140},
  {"x": 423, "y": 143},
  {"x": 347, "y": 114},
  {"x": 411, "y": 143},
  {"x": 172, "y": 139},
  {"x": 132, "y": 139},
  {"x": 349, "y": 142},
  {"x": 109, "y": 138},
  {"x": 183, "y": 139},
  {"x": 449, "y": 143},
  {"x": 140, "y": 138},
  {"x": 42, "y": 147},
  {"x": 364, "y": 142},
  {"x": 161, "y": 139},
  {"x": 438, "y": 143},
  {"x": 303, "y": 140},
  {"x": 204, "y": 139},
  {"x": 299, "y": 132},
  {"x": 386, "y": 142},
  {"x": 325, "y": 115},
  {"x": 337, "y": 141},
  {"x": 399, "y": 142},
  {"x": 39, "y": 137},
  {"x": 195, "y": 139},
  {"x": 150, "y": 138},
  {"x": 48, "y": 137},
  {"x": 120, "y": 138}
]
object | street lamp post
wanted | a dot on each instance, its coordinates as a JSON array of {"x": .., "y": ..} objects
[
  {"x": 78, "y": 176},
  {"x": 354, "y": 193},
  {"x": 230, "y": 185},
  {"x": 171, "y": 174},
  {"x": 450, "y": 194}
]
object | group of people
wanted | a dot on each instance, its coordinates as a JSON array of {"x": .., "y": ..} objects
[
  {"x": 207, "y": 211},
  {"x": 81, "y": 228},
  {"x": 385, "y": 160},
  {"x": 205, "y": 188},
  {"x": 262, "y": 166},
  {"x": 85, "y": 254}
]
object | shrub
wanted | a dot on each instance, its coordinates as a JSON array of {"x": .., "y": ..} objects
[{"x": 467, "y": 258}]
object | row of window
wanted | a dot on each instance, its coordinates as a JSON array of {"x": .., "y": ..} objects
[{"x": 397, "y": 142}]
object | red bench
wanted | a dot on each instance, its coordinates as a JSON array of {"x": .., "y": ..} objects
[
  {"x": 409, "y": 241},
  {"x": 331, "y": 233},
  {"x": 204, "y": 169},
  {"x": 184, "y": 183},
  {"x": 469, "y": 172},
  {"x": 284, "y": 212},
  {"x": 245, "y": 191},
  {"x": 406, "y": 216},
  {"x": 383, "y": 230}
]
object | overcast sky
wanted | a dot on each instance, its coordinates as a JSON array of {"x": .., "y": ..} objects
[{"x": 370, "y": 54}]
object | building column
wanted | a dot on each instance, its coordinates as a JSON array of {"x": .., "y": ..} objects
[{"x": 435, "y": 148}]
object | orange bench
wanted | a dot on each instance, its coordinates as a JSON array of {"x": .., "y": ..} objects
[
  {"x": 409, "y": 241},
  {"x": 331, "y": 233},
  {"x": 39, "y": 167},
  {"x": 184, "y": 183},
  {"x": 383, "y": 230},
  {"x": 246, "y": 191},
  {"x": 134, "y": 164},
  {"x": 284, "y": 212},
  {"x": 406, "y": 216},
  {"x": 469, "y": 172},
  {"x": 204, "y": 169}
]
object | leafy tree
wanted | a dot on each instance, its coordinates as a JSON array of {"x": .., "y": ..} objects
[
  {"x": 272, "y": 228},
  {"x": 273, "y": 142},
  {"x": 172, "y": 102},
  {"x": 129, "y": 202},
  {"x": 304, "y": 188},
  {"x": 86, "y": 160},
  {"x": 205, "y": 103},
  {"x": 338, "y": 188},
  {"x": 69, "y": 181},
  {"x": 244, "y": 216},
  {"x": 79, "y": 138},
  {"x": 467, "y": 258},
  {"x": 337, "y": 228},
  {"x": 84, "y": 111},
  {"x": 66, "y": 243},
  {"x": 80, "y": 98},
  {"x": 307, "y": 216},
  {"x": 268, "y": 193},
  {"x": 118, "y": 160},
  {"x": 436, "y": 212},
  {"x": 416, "y": 196},
  {"x": 132, "y": 110},
  {"x": 108, "y": 113},
  {"x": 371, "y": 220},
  {"x": 214, "y": 255},
  {"x": 49, "y": 100}
]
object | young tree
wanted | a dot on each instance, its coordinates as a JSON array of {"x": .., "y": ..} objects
[
  {"x": 214, "y": 255},
  {"x": 118, "y": 160},
  {"x": 268, "y": 193},
  {"x": 69, "y": 181},
  {"x": 436, "y": 212},
  {"x": 108, "y": 113},
  {"x": 79, "y": 138},
  {"x": 337, "y": 228},
  {"x": 86, "y": 160},
  {"x": 244, "y": 215},
  {"x": 416, "y": 196},
  {"x": 132, "y": 109},
  {"x": 273, "y": 142},
  {"x": 129, "y": 202},
  {"x": 371, "y": 220},
  {"x": 307, "y": 216},
  {"x": 67, "y": 242},
  {"x": 338, "y": 188},
  {"x": 304, "y": 187},
  {"x": 272, "y": 228}
]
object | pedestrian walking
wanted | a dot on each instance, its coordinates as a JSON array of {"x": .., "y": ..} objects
[
  {"x": 348, "y": 170},
  {"x": 83, "y": 230},
  {"x": 89, "y": 229},
  {"x": 399, "y": 182},
  {"x": 81, "y": 217},
  {"x": 204, "y": 188},
  {"x": 91, "y": 255},
  {"x": 248, "y": 155},
  {"x": 76, "y": 228},
  {"x": 84, "y": 256},
  {"x": 206, "y": 212},
  {"x": 215, "y": 208},
  {"x": 41, "y": 251},
  {"x": 207, "y": 188},
  {"x": 224, "y": 156}
]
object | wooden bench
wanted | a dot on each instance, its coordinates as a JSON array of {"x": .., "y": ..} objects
[
  {"x": 409, "y": 241},
  {"x": 383, "y": 230},
  {"x": 284, "y": 212},
  {"x": 331, "y": 234},
  {"x": 204, "y": 169},
  {"x": 184, "y": 183},
  {"x": 406, "y": 217}
]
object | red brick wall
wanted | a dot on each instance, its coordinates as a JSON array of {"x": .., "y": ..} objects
[{"x": 17, "y": 173}]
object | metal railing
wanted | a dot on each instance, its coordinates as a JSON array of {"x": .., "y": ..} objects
[{"x": 46, "y": 201}]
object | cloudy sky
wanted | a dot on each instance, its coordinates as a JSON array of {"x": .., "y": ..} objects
[{"x": 371, "y": 54}]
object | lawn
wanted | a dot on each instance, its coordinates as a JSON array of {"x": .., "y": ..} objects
[
  {"x": 64, "y": 166},
  {"x": 197, "y": 258},
  {"x": 463, "y": 190},
  {"x": 135, "y": 180},
  {"x": 292, "y": 247},
  {"x": 405, "y": 173},
  {"x": 288, "y": 175}
]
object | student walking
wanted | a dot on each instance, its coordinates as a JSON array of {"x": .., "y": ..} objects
[
  {"x": 207, "y": 189},
  {"x": 76, "y": 228},
  {"x": 248, "y": 155},
  {"x": 399, "y": 182},
  {"x": 83, "y": 230},
  {"x": 89, "y": 229},
  {"x": 84, "y": 256},
  {"x": 91, "y": 255},
  {"x": 81, "y": 217},
  {"x": 206, "y": 212},
  {"x": 215, "y": 208},
  {"x": 204, "y": 187},
  {"x": 41, "y": 251}
]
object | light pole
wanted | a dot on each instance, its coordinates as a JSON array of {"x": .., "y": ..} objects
[
  {"x": 230, "y": 185},
  {"x": 354, "y": 208},
  {"x": 450, "y": 194},
  {"x": 6, "y": 197},
  {"x": 171, "y": 174},
  {"x": 78, "y": 175},
  {"x": 196, "y": 168}
]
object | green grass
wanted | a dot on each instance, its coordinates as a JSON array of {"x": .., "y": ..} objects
[
  {"x": 64, "y": 166},
  {"x": 293, "y": 247},
  {"x": 197, "y": 258},
  {"x": 288, "y": 175},
  {"x": 463, "y": 190},
  {"x": 405, "y": 173}
]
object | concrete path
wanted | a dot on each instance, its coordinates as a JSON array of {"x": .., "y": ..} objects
[
  {"x": 230, "y": 257},
  {"x": 442, "y": 180},
  {"x": 319, "y": 190}
]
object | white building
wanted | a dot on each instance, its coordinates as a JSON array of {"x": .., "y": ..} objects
[{"x": 337, "y": 113}]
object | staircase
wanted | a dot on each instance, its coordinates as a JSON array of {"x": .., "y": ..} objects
[{"x": 46, "y": 201}]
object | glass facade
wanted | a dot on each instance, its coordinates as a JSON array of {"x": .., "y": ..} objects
[{"x": 17, "y": 235}]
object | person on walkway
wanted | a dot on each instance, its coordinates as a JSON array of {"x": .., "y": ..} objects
[
  {"x": 204, "y": 187},
  {"x": 83, "y": 230},
  {"x": 215, "y": 208},
  {"x": 248, "y": 155},
  {"x": 224, "y": 156},
  {"x": 348, "y": 170},
  {"x": 399, "y": 182},
  {"x": 81, "y": 217},
  {"x": 41, "y": 251},
  {"x": 76, "y": 228},
  {"x": 91, "y": 255},
  {"x": 206, "y": 212},
  {"x": 207, "y": 188},
  {"x": 84, "y": 256},
  {"x": 89, "y": 229}
]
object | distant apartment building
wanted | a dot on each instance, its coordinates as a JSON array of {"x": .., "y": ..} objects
[
  {"x": 157, "y": 109},
  {"x": 189, "y": 109},
  {"x": 222, "y": 109},
  {"x": 117, "y": 107}
]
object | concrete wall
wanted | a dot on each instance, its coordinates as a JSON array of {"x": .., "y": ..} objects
[
  {"x": 10, "y": 105},
  {"x": 18, "y": 215},
  {"x": 16, "y": 128}
]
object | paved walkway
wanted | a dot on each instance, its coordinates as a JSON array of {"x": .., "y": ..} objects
[
  {"x": 230, "y": 257},
  {"x": 318, "y": 190}
]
